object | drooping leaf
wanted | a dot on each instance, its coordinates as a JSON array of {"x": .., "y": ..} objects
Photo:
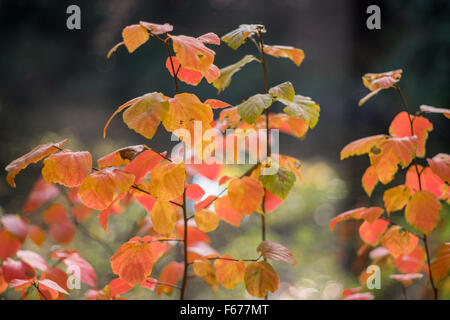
[
  {"x": 260, "y": 277},
  {"x": 401, "y": 127},
  {"x": 163, "y": 217},
  {"x": 67, "y": 168},
  {"x": 35, "y": 155},
  {"x": 118, "y": 110},
  {"x": 120, "y": 157},
  {"x": 226, "y": 212},
  {"x": 371, "y": 233},
  {"x": 206, "y": 220},
  {"x": 276, "y": 251},
  {"x": 361, "y": 146},
  {"x": 294, "y": 54},
  {"x": 98, "y": 189},
  {"x": 440, "y": 164},
  {"x": 234, "y": 39},
  {"x": 376, "y": 82},
  {"x": 428, "y": 181},
  {"x": 229, "y": 273},
  {"x": 134, "y": 36},
  {"x": 250, "y": 109},
  {"x": 216, "y": 104},
  {"x": 280, "y": 183},
  {"x": 41, "y": 193},
  {"x": 389, "y": 154},
  {"x": 170, "y": 274},
  {"x": 167, "y": 180},
  {"x": 422, "y": 211},
  {"x": 396, "y": 198},
  {"x": 369, "y": 180},
  {"x": 441, "y": 265},
  {"x": 226, "y": 73},
  {"x": 430, "y": 109},
  {"x": 303, "y": 107},
  {"x": 284, "y": 91},
  {"x": 155, "y": 28},
  {"x": 245, "y": 194},
  {"x": 192, "y": 53},
  {"x": 399, "y": 241},
  {"x": 369, "y": 214}
]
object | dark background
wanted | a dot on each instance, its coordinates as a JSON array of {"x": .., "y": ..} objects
[{"x": 56, "y": 82}]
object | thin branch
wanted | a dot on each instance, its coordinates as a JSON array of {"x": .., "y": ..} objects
[
  {"x": 36, "y": 285},
  {"x": 231, "y": 259},
  {"x": 159, "y": 283},
  {"x": 185, "y": 248}
]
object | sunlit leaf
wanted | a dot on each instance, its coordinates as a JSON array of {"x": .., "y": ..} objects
[
  {"x": 155, "y": 28},
  {"x": 399, "y": 241},
  {"x": 284, "y": 91},
  {"x": 296, "y": 55},
  {"x": 245, "y": 194},
  {"x": 260, "y": 277},
  {"x": 120, "y": 157},
  {"x": 375, "y": 82},
  {"x": 234, "y": 39},
  {"x": 371, "y": 233},
  {"x": 226, "y": 73},
  {"x": 229, "y": 273},
  {"x": 134, "y": 36},
  {"x": 361, "y": 146},
  {"x": 422, "y": 211},
  {"x": 217, "y": 104},
  {"x": 167, "y": 180},
  {"x": 412, "y": 262},
  {"x": 204, "y": 269},
  {"x": 369, "y": 214},
  {"x": 430, "y": 109},
  {"x": 276, "y": 251},
  {"x": 428, "y": 181},
  {"x": 369, "y": 180},
  {"x": 440, "y": 164},
  {"x": 142, "y": 164},
  {"x": 194, "y": 192},
  {"x": 441, "y": 265},
  {"x": 226, "y": 212},
  {"x": 67, "y": 168},
  {"x": 280, "y": 183},
  {"x": 396, "y": 198},
  {"x": 302, "y": 107},
  {"x": 163, "y": 217},
  {"x": 192, "y": 53},
  {"x": 206, "y": 220},
  {"x": 170, "y": 274},
  {"x": 250, "y": 109}
]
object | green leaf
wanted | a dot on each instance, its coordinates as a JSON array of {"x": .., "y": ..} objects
[
  {"x": 302, "y": 107},
  {"x": 284, "y": 90},
  {"x": 226, "y": 73},
  {"x": 236, "y": 38},
  {"x": 250, "y": 109},
  {"x": 280, "y": 183}
]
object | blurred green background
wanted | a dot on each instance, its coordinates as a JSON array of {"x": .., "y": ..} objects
[{"x": 57, "y": 83}]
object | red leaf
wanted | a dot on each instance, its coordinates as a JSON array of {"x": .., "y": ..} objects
[
  {"x": 143, "y": 164},
  {"x": 33, "y": 259},
  {"x": 71, "y": 258},
  {"x": 369, "y": 180},
  {"x": 412, "y": 262},
  {"x": 170, "y": 274},
  {"x": 15, "y": 225},
  {"x": 369, "y": 214},
  {"x": 440, "y": 164},
  {"x": 41, "y": 193},
  {"x": 194, "y": 192},
  {"x": 13, "y": 269},
  {"x": 371, "y": 233},
  {"x": 422, "y": 211},
  {"x": 226, "y": 212},
  {"x": 428, "y": 181}
]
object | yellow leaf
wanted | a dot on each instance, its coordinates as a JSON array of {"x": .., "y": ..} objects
[
  {"x": 163, "y": 217},
  {"x": 167, "y": 180},
  {"x": 260, "y": 277},
  {"x": 206, "y": 220},
  {"x": 229, "y": 273}
]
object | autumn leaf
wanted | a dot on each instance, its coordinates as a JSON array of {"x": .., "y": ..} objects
[
  {"x": 399, "y": 241},
  {"x": 252, "y": 108},
  {"x": 194, "y": 192},
  {"x": 163, "y": 217},
  {"x": 133, "y": 261},
  {"x": 280, "y": 183},
  {"x": 370, "y": 214},
  {"x": 376, "y": 82},
  {"x": 120, "y": 157},
  {"x": 195, "y": 236},
  {"x": 204, "y": 269},
  {"x": 234, "y": 39},
  {"x": 260, "y": 277},
  {"x": 98, "y": 189},
  {"x": 430, "y": 109},
  {"x": 67, "y": 168},
  {"x": 167, "y": 180},
  {"x": 441, "y": 265},
  {"x": 35, "y": 155},
  {"x": 229, "y": 273},
  {"x": 41, "y": 193},
  {"x": 390, "y": 153},
  {"x": 361, "y": 146},
  {"x": 294, "y": 54},
  {"x": 371, "y": 233},
  {"x": 10, "y": 244},
  {"x": 422, "y": 211},
  {"x": 155, "y": 28},
  {"x": 369, "y": 180},
  {"x": 206, "y": 220},
  {"x": 406, "y": 279},
  {"x": 276, "y": 251},
  {"x": 134, "y": 36},
  {"x": 192, "y": 53},
  {"x": 412, "y": 262},
  {"x": 401, "y": 127},
  {"x": 440, "y": 164},
  {"x": 396, "y": 198},
  {"x": 226, "y": 73},
  {"x": 303, "y": 107},
  {"x": 13, "y": 269},
  {"x": 191, "y": 77},
  {"x": 170, "y": 274},
  {"x": 216, "y": 104},
  {"x": 245, "y": 194},
  {"x": 36, "y": 235},
  {"x": 143, "y": 163},
  {"x": 62, "y": 229},
  {"x": 284, "y": 91},
  {"x": 226, "y": 212},
  {"x": 428, "y": 181},
  {"x": 15, "y": 225}
]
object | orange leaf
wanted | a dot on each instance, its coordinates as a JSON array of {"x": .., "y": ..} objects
[
  {"x": 428, "y": 181},
  {"x": 188, "y": 76},
  {"x": 371, "y": 233},
  {"x": 390, "y": 153},
  {"x": 401, "y": 127},
  {"x": 276, "y": 251},
  {"x": 440, "y": 164},
  {"x": 194, "y": 192},
  {"x": 369, "y": 180},
  {"x": 376, "y": 82},
  {"x": 226, "y": 212},
  {"x": 412, "y": 262},
  {"x": 35, "y": 155},
  {"x": 195, "y": 236},
  {"x": 441, "y": 265},
  {"x": 67, "y": 168},
  {"x": 62, "y": 229},
  {"x": 229, "y": 273},
  {"x": 143, "y": 163},
  {"x": 9, "y": 244},
  {"x": 170, "y": 274},
  {"x": 192, "y": 53},
  {"x": 206, "y": 220},
  {"x": 398, "y": 241},
  {"x": 134, "y": 36},
  {"x": 396, "y": 198},
  {"x": 422, "y": 211},
  {"x": 259, "y": 278},
  {"x": 40, "y": 194},
  {"x": 296, "y": 55},
  {"x": 167, "y": 180},
  {"x": 97, "y": 190},
  {"x": 217, "y": 104},
  {"x": 120, "y": 157},
  {"x": 245, "y": 194},
  {"x": 133, "y": 261},
  {"x": 370, "y": 214},
  {"x": 204, "y": 269},
  {"x": 361, "y": 146},
  {"x": 163, "y": 217},
  {"x": 155, "y": 28},
  {"x": 36, "y": 234},
  {"x": 15, "y": 226}
]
